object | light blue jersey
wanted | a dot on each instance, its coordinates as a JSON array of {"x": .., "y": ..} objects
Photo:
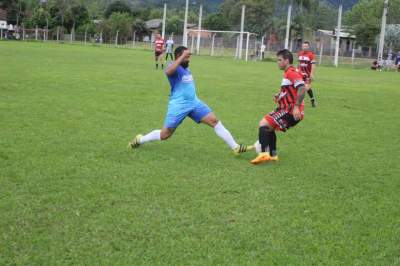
[
  {"x": 183, "y": 100},
  {"x": 183, "y": 88}
]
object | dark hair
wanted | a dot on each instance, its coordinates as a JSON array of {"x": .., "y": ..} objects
[
  {"x": 179, "y": 50},
  {"x": 306, "y": 42},
  {"x": 285, "y": 54}
]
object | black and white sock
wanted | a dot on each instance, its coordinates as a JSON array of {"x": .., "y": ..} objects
[
  {"x": 272, "y": 147},
  {"x": 311, "y": 94},
  {"x": 264, "y": 138}
]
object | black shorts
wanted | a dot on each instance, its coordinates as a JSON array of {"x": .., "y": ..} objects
[
  {"x": 157, "y": 53},
  {"x": 281, "y": 120}
]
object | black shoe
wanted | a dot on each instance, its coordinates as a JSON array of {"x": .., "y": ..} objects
[{"x": 313, "y": 104}]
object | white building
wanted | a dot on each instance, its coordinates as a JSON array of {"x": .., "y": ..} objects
[{"x": 3, "y": 25}]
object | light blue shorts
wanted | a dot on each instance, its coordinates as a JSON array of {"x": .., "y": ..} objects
[{"x": 178, "y": 112}]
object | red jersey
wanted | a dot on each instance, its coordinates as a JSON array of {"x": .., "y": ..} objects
[
  {"x": 159, "y": 45},
  {"x": 287, "y": 97},
  {"x": 306, "y": 60}
]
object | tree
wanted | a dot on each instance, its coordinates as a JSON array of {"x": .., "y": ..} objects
[
  {"x": 41, "y": 18},
  {"x": 393, "y": 36},
  {"x": 121, "y": 23},
  {"x": 15, "y": 10},
  {"x": 257, "y": 14},
  {"x": 139, "y": 26},
  {"x": 174, "y": 25},
  {"x": 89, "y": 28},
  {"x": 59, "y": 12},
  {"x": 365, "y": 19},
  {"x": 216, "y": 22},
  {"x": 79, "y": 16},
  {"x": 117, "y": 7}
]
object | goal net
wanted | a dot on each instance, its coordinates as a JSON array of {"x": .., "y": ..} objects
[{"x": 224, "y": 43}]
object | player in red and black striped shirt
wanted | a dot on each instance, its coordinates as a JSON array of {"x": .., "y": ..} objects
[
  {"x": 159, "y": 50},
  {"x": 289, "y": 112},
  {"x": 307, "y": 67}
]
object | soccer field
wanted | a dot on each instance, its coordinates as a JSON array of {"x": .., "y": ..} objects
[{"x": 71, "y": 192}]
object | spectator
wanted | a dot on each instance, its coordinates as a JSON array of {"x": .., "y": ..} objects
[
  {"x": 376, "y": 66},
  {"x": 398, "y": 61}
]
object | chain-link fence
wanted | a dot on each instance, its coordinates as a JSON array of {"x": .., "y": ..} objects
[{"x": 223, "y": 44}]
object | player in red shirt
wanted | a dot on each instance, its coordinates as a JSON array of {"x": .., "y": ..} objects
[
  {"x": 289, "y": 112},
  {"x": 159, "y": 50},
  {"x": 307, "y": 67}
]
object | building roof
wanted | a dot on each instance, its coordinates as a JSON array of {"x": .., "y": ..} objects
[
  {"x": 343, "y": 34},
  {"x": 154, "y": 23}
]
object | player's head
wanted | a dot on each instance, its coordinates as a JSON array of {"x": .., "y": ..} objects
[
  {"x": 284, "y": 58},
  {"x": 305, "y": 46},
  {"x": 158, "y": 36},
  {"x": 178, "y": 52}
]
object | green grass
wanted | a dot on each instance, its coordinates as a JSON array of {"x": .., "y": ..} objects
[{"x": 71, "y": 193}]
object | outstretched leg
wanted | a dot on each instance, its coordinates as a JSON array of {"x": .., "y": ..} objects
[
  {"x": 155, "y": 135},
  {"x": 223, "y": 133}
]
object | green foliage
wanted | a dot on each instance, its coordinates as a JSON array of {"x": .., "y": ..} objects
[
  {"x": 174, "y": 25},
  {"x": 89, "y": 27},
  {"x": 41, "y": 18},
  {"x": 257, "y": 13},
  {"x": 15, "y": 10},
  {"x": 365, "y": 19},
  {"x": 269, "y": 16},
  {"x": 140, "y": 27},
  {"x": 79, "y": 15},
  {"x": 121, "y": 22},
  {"x": 117, "y": 7},
  {"x": 216, "y": 22},
  {"x": 155, "y": 13}
]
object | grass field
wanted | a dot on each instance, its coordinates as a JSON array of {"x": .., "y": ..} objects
[{"x": 71, "y": 193}]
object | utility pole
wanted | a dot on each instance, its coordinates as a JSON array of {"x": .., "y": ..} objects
[
  {"x": 339, "y": 29},
  {"x": 383, "y": 29}
]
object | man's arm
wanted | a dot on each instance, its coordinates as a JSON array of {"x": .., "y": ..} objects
[
  {"x": 301, "y": 92},
  {"x": 172, "y": 68},
  {"x": 312, "y": 70}
]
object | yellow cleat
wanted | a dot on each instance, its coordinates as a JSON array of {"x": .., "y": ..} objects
[
  {"x": 274, "y": 158},
  {"x": 242, "y": 148},
  {"x": 262, "y": 158},
  {"x": 135, "y": 143}
]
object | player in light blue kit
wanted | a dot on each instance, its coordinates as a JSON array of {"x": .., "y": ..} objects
[{"x": 183, "y": 102}]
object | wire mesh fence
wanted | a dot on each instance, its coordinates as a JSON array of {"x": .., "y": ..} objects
[{"x": 221, "y": 44}]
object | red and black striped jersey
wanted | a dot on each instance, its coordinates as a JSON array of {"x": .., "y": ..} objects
[
  {"x": 306, "y": 60},
  {"x": 159, "y": 45},
  {"x": 287, "y": 97}
]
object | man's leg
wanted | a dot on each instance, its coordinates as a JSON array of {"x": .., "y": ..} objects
[
  {"x": 267, "y": 139},
  {"x": 220, "y": 130},
  {"x": 156, "y": 57},
  {"x": 310, "y": 93},
  {"x": 155, "y": 135},
  {"x": 161, "y": 60},
  {"x": 158, "y": 135},
  {"x": 212, "y": 121},
  {"x": 172, "y": 120}
]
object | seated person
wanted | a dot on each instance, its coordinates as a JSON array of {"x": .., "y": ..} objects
[{"x": 376, "y": 66}]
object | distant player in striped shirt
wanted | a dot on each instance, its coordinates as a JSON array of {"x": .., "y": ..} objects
[
  {"x": 307, "y": 67},
  {"x": 159, "y": 50}
]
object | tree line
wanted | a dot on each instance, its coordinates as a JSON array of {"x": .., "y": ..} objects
[{"x": 264, "y": 17}]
